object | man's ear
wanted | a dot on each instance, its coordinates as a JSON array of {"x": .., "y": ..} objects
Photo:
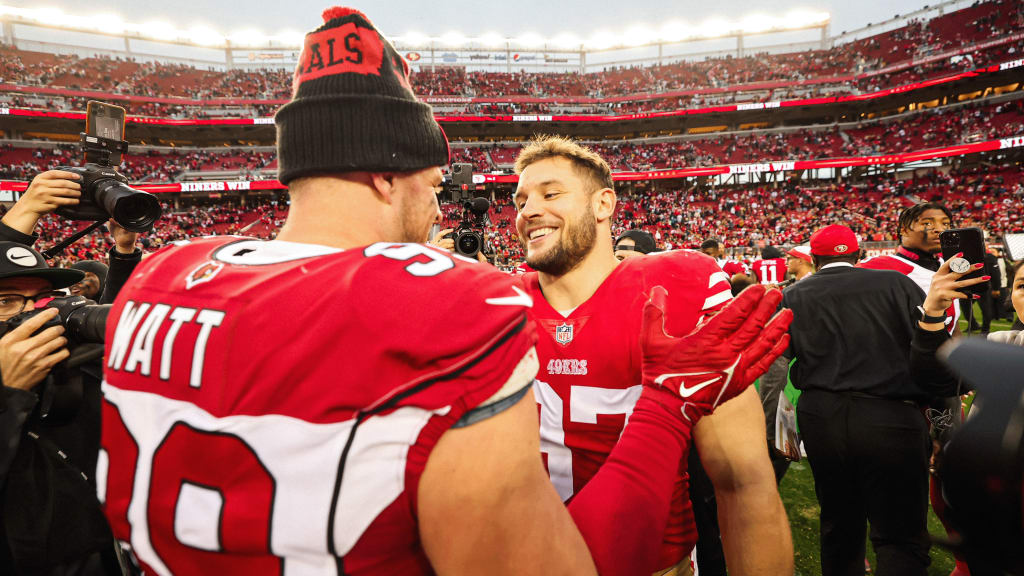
[
  {"x": 604, "y": 204},
  {"x": 383, "y": 184}
]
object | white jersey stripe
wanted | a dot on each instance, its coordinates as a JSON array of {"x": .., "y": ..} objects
[{"x": 715, "y": 300}]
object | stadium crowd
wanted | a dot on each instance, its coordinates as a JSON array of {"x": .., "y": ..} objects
[
  {"x": 931, "y": 128},
  {"x": 719, "y": 80}
]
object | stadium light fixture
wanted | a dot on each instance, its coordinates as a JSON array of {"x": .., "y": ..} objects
[
  {"x": 756, "y": 23},
  {"x": 205, "y": 36},
  {"x": 600, "y": 40},
  {"x": 804, "y": 18},
  {"x": 111, "y": 23},
  {"x": 453, "y": 39},
  {"x": 50, "y": 15},
  {"x": 567, "y": 40},
  {"x": 530, "y": 40},
  {"x": 289, "y": 38},
  {"x": 492, "y": 40},
  {"x": 675, "y": 31},
  {"x": 715, "y": 28},
  {"x": 638, "y": 36},
  {"x": 158, "y": 30},
  {"x": 250, "y": 37},
  {"x": 415, "y": 39}
]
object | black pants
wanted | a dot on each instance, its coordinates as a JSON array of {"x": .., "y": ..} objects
[
  {"x": 869, "y": 457},
  {"x": 987, "y": 303},
  {"x": 710, "y": 556}
]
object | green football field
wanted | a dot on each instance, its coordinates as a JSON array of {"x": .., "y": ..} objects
[{"x": 797, "y": 491}]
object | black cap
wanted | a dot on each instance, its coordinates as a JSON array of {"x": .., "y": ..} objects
[
  {"x": 20, "y": 261},
  {"x": 643, "y": 241},
  {"x": 352, "y": 106}
]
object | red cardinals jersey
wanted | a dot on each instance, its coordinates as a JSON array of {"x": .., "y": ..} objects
[
  {"x": 733, "y": 267},
  {"x": 270, "y": 406},
  {"x": 919, "y": 274},
  {"x": 771, "y": 271},
  {"x": 590, "y": 361}
]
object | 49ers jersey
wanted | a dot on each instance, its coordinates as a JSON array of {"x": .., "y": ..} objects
[
  {"x": 771, "y": 271},
  {"x": 590, "y": 364},
  {"x": 270, "y": 406}
]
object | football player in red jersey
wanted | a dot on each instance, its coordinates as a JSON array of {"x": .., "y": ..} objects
[
  {"x": 771, "y": 268},
  {"x": 712, "y": 247},
  {"x": 289, "y": 407},
  {"x": 587, "y": 309}
]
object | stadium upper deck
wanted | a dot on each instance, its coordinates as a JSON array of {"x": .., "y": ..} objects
[{"x": 980, "y": 34}]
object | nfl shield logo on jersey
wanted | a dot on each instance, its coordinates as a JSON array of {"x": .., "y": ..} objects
[{"x": 563, "y": 334}]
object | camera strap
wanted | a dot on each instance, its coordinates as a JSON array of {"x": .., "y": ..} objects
[{"x": 60, "y": 246}]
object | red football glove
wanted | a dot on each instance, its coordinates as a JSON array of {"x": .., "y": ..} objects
[{"x": 720, "y": 358}]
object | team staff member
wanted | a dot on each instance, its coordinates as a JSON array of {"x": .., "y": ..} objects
[{"x": 865, "y": 437}]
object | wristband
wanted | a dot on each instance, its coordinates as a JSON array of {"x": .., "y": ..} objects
[{"x": 925, "y": 318}]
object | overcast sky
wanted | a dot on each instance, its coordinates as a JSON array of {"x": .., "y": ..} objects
[{"x": 473, "y": 17}]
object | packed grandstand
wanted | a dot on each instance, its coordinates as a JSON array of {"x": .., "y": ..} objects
[{"x": 756, "y": 149}]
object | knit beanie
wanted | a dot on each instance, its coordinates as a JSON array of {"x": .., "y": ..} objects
[
  {"x": 97, "y": 268},
  {"x": 352, "y": 107}
]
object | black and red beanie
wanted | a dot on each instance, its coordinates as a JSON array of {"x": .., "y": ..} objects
[{"x": 352, "y": 107}]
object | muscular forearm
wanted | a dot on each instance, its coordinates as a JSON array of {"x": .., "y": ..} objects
[
  {"x": 622, "y": 512},
  {"x": 755, "y": 531}
]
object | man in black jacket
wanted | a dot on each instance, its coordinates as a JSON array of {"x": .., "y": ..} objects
[
  {"x": 51, "y": 521},
  {"x": 866, "y": 439}
]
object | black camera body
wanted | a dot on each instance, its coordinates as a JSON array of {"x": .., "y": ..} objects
[
  {"x": 105, "y": 191},
  {"x": 84, "y": 322},
  {"x": 84, "y": 326},
  {"x": 469, "y": 235}
]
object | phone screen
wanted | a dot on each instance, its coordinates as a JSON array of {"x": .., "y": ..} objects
[{"x": 105, "y": 121}]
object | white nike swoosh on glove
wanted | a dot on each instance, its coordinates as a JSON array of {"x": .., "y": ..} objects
[{"x": 685, "y": 391}]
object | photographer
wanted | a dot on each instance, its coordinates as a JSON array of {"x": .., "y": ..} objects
[
  {"x": 51, "y": 190},
  {"x": 52, "y": 523}
]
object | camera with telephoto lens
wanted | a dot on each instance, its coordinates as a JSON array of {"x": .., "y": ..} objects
[
  {"x": 106, "y": 194},
  {"x": 61, "y": 393},
  {"x": 84, "y": 322},
  {"x": 105, "y": 191},
  {"x": 469, "y": 235}
]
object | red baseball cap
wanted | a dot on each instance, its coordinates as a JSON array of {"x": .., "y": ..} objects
[
  {"x": 801, "y": 252},
  {"x": 834, "y": 240}
]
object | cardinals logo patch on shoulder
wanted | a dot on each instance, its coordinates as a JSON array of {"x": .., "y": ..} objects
[{"x": 203, "y": 273}]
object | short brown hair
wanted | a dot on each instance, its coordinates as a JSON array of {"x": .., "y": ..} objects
[{"x": 587, "y": 162}]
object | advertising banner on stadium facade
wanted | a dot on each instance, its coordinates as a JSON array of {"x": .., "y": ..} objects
[{"x": 9, "y": 186}]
